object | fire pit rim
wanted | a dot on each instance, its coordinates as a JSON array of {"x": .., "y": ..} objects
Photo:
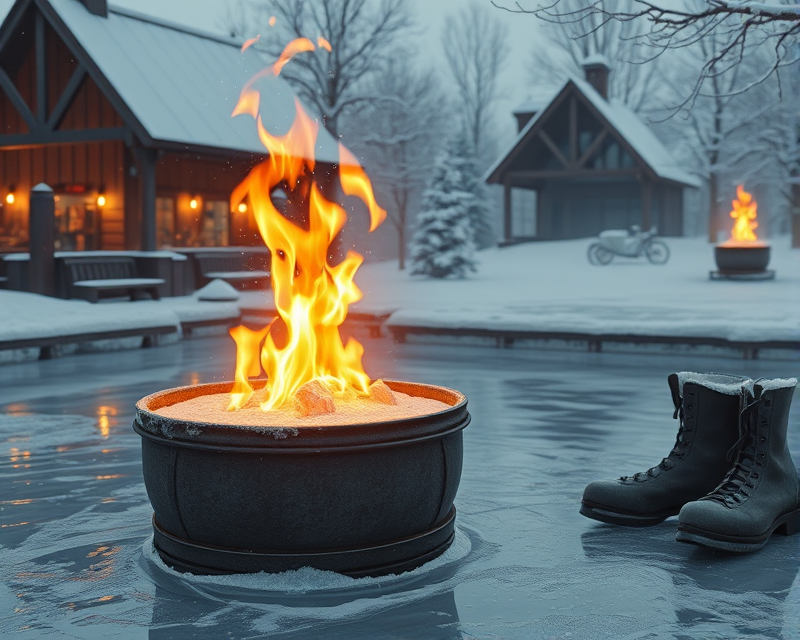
[{"x": 196, "y": 434}]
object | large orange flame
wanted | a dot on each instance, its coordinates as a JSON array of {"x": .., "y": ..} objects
[
  {"x": 311, "y": 296},
  {"x": 744, "y": 213}
]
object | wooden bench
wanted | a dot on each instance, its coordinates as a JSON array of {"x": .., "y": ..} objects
[
  {"x": 91, "y": 278},
  {"x": 233, "y": 268}
]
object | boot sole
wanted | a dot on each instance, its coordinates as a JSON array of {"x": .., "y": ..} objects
[
  {"x": 625, "y": 519},
  {"x": 786, "y": 525}
]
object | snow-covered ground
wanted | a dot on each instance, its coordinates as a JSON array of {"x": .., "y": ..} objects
[
  {"x": 26, "y": 316},
  {"x": 550, "y": 286},
  {"x": 545, "y": 286}
]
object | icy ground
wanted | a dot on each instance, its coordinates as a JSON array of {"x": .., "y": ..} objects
[
  {"x": 75, "y": 560},
  {"x": 550, "y": 286}
]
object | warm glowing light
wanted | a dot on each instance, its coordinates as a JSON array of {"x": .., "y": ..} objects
[
  {"x": 298, "y": 45},
  {"x": 101, "y": 201},
  {"x": 10, "y": 198},
  {"x": 311, "y": 296},
  {"x": 744, "y": 213},
  {"x": 249, "y": 43},
  {"x": 272, "y": 21},
  {"x": 193, "y": 203},
  {"x": 104, "y": 413},
  {"x": 322, "y": 43},
  {"x": 242, "y": 207}
]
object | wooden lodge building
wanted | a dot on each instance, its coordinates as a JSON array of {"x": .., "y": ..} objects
[
  {"x": 581, "y": 164},
  {"x": 127, "y": 118}
]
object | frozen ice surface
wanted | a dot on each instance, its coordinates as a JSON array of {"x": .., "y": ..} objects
[{"x": 75, "y": 558}]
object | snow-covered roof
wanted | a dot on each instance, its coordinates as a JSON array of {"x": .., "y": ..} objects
[
  {"x": 637, "y": 134},
  {"x": 181, "y": 85},
  {"x": 537, "y": 99},
  {"x": 596, "y": 59}
]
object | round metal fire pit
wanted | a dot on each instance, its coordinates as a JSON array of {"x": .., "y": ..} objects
[
  {"x": 367, "y": 499},
  {"x": 742, "y": 259}
]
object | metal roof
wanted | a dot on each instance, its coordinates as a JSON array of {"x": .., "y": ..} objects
[
  {"x": 638, "y": 135},
  {"x": 181, "y": 85}
]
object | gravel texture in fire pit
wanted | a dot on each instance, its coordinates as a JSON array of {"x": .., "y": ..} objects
[{"x": 212, "y": 408}]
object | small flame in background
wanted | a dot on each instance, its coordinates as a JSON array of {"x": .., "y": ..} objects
[
  {"x": 311, "y": 296},
  {"x": 745, "y": 212}
]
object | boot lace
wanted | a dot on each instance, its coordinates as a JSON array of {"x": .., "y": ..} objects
[
  {"x": 734, "y": 488},
  {"x": 678, "y": 449}
]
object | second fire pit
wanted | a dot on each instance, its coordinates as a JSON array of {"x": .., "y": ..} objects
[{"x": 743, "y": 257}]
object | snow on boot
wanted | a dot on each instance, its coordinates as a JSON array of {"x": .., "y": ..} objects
[
  {"x": 761, "y": 492},
  {"x": 708, "y": 407}
]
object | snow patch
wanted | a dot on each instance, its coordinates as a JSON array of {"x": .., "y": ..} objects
[
  {"x": 308, "y": 580},
  {"x": 776, "y": 383},
  {"x": 217, "y": 291}
]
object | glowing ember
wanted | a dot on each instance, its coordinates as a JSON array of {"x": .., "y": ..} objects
[
  {"x": 311, "y": 296},
  {"x": 212, "y": 409},
  {"x": 744, "y": 213}
]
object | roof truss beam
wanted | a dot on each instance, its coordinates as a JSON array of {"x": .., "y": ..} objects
[
  {"x": 41, "y": 138},
  {"x": 10, "y": 89},
  {"x": 554, "y": 148},
  {"x": 598, "y": 140},
  {"x": 41, "y": 71},
  {"x": 60, "y": 110},
  {"x": 11, "y": 22}
]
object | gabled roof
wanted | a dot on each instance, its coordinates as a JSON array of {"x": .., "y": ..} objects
[
  {"x": 178, "y": 85},
  {"x": 639, "y": 136}
]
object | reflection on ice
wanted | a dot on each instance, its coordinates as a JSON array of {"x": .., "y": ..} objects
[{"x": 75, "y": 521}]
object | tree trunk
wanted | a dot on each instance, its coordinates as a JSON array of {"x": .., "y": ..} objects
[
  {"x": 401, "y": 245},
  {"x": 713, "y": 213},
  {"x": 795, "y": 216}
]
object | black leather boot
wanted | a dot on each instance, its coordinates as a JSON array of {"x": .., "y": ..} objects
[
  {"x": 761, "y": 492},
  {"x": 708, "y": 407}
]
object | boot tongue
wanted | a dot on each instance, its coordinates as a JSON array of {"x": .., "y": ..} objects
[
  {"x": 675, "y": 389},
  {"x": 745, "y": 457}
]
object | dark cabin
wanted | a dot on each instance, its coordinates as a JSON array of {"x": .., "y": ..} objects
[
  {"x": 581, "y": 164},
  {"x": 128, "y": 119}
]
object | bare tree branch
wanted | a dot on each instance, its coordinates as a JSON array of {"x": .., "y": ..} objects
[
  {"x": 475, "y": 46},
  {"x": 362, "y": 34}
]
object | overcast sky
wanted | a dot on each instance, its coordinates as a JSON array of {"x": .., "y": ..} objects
[{"x": 209, "y": 15}]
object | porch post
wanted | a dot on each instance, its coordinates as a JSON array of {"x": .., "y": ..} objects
[
  {"x": 507, "y": 209},
  {"x": 147, "y": 196},
  {"x": 647, "y": 203},
  {"x": 42, "y": 262}
]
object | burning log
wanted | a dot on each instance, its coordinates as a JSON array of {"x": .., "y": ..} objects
[
  {"x": 314, "y": 399},
  {"x": 379, "y": 392}
]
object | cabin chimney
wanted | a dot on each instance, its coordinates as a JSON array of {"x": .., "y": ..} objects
[
  {"x": 597, "y": 69},
  {"x": 523, "y": 118},
  {"x": 96, "y": 7}
]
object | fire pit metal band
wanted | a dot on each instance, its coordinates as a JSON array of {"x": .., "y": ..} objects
[{"x": 369, "y": 499}]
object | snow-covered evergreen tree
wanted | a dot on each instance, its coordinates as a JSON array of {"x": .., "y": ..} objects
[
  {"x": 443, "y": 244},
  {"x": 465, "y": 159}
]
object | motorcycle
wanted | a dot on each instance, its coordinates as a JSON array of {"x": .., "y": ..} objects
[{"x": 628, "y": 244}]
